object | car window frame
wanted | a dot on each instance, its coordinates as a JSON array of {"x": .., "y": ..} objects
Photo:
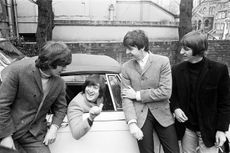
[{"x": 110, "y": 90}]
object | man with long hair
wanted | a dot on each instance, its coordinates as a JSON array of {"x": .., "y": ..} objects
[
  {"x": 29, "y": 89},
  {"x": 200, "y": 97}
]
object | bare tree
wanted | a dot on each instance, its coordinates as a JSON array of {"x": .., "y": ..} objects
[
  {"x": 185, "y": 24},
  {"x": 45, "y": 21}
]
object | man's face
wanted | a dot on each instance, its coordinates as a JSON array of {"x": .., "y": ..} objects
[
  {"x": 187, "y": 54},
  {"x": 135, "y": 52},
  {"x": 57, "y": 71},
  {"x": 92, "y": 92}
]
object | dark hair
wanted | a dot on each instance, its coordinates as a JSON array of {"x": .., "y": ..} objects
[
  {"x": 53, "y": 54},
  {"x": 136, "y": 38},
  {"x": 196, "y": 41},
  {"x": 95, "y": 79}
]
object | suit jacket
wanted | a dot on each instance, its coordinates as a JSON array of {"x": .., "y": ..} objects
[
  {"x": 20, "y": 96},
  {"x": 212, "y": 98},
  {"x": 77, "y": 107},
  {"x": 154, "y": 83}
]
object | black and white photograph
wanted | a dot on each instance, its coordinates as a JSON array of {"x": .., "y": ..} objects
[{"x": 114, "y": 76}]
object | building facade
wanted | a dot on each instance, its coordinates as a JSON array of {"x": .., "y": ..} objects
[
  {"x": 213, "y": 18},
  {"x": 100, "y": 20}
]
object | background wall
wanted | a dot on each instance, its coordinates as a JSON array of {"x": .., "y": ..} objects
[
  {"x": 100, "y": 20},
  {"x": 218, "y": 50},
  {"x": 75, "y": 31}
]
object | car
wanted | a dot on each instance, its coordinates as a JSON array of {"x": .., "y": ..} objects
[
  {"x": 8, "y": 53},
  {"x": 110, "y": 132}
]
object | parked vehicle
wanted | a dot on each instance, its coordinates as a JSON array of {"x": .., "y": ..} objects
[
  {"x": 8, "y": 53},
  {"x": 109, "y": 133}
]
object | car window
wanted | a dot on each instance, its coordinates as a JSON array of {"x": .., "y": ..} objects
[
  {"x": 115, "y": 87},
  {"x": 74, "y": 86}
]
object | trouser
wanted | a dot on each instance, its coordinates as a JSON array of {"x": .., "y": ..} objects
[
  {"x": 167, "y": 136},
  {"x": 30, "y": 144},
  {"x": 193, "y": 143}
]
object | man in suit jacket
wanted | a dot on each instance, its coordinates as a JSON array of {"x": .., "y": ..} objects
[
  {"x": 29, "y": 89},
  {"x": 146, "y": 89},
  {"x": 200, "y": 97}
]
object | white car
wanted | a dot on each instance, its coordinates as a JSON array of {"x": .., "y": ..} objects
[{"x": 109, "y": 133}]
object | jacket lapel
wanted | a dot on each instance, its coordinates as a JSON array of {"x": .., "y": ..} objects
[
  {"x": 203, "y": 74},
  {"x": 185, "y": 78},
  {"x": 51, "y": 86},
  {"x": 137, "y": 66},
  {"x": 37, "y": 78},
  {"x": 147, "y": 65}
]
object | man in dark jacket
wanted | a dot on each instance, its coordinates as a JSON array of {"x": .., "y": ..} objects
[
  {"x": 200, "y": 97},
  {"x": 29, "y": 89}
]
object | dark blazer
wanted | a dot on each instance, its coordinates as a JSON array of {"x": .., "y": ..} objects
[
  {"x": 20, "y": 96},
  {"x": 155, "y": 85},
  {"x": 212, "y": 98}
]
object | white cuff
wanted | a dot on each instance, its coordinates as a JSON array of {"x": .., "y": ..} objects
[
  {"x": 132, "y": 121},
  {"x": 138, "y": 96},
  {"x": 55, "y": 125}
]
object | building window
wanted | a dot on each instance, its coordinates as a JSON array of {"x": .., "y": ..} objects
[
  {"x": 229, "y": 27},
  {"x": 206, "y": 23},
  {"x": 211, "y": 10},
  {"x": 222, "y": 26},
  {"x": 199, "y": 24}
]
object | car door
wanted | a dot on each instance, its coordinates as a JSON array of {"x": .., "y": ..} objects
[{"x": 114, "y": 84}]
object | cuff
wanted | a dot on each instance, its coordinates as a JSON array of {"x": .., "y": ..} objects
[
  {"x": 138, "y": 96},
  {"x": 56, "y": 126},
  {"x": 132, "y": 121}
]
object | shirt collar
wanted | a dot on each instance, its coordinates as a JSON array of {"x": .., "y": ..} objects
[{"x": 144, "y": 60}]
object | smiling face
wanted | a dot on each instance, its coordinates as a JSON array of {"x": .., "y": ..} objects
[
  {"x": 92, "y": 92},
  {"x": 135, "y": 52}
]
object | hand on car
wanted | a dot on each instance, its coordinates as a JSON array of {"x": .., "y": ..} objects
[
  {"x": 128, "y": 93},
  {"x": 95, "y": 111},
  {"x": 51, "y": 135},
  {"x": 8, "y": 142},
  {"x": 180, "y": 115},
  {"x": 136, "y": 131},
  {"x": 220, "y": 138}
]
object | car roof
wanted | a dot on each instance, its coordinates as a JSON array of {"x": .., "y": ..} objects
[{"x": 88, "y": 64}]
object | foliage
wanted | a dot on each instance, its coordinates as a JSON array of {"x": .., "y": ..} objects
[{"x": 27, "y": 49}]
